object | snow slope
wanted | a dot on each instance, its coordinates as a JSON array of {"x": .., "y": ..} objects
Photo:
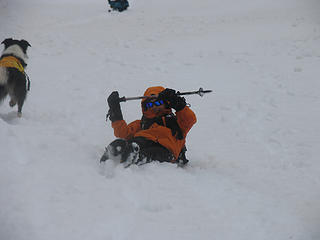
[{"x": 254, "y": 168}]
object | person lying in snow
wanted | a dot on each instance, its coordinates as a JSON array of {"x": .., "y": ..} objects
[{"x": 159, "y": 135}]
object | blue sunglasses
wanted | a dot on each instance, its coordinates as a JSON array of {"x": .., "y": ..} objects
[{"x": 156, "y": 103}]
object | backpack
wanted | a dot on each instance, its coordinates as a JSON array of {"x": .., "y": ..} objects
[{"x": 119, "y": 5}]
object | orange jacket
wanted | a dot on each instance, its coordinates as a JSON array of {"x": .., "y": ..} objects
[{"x": 157, "y": 133}]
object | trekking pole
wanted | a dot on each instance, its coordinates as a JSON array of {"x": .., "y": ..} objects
[{"x": 200, "y": 92}]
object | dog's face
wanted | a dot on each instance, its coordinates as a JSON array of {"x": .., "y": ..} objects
[{"x": 17, "y": 48}]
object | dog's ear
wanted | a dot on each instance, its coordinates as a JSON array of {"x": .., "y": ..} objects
[
  {"x": 7, "y": 42},
  {"x": 25, "y": 43}
]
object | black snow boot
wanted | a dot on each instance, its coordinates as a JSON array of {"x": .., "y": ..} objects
[{"x": 114, "y": 150}]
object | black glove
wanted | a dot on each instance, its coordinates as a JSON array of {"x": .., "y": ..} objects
[
  {"x": 172, "y": 99},
  {"x": 114, "y": 113}
]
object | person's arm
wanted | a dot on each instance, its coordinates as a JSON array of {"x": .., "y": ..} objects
[
  {"x": 185, "y": 116},
  {"x": 124, "y": 130},
  {"x": 121, "y": 129}
]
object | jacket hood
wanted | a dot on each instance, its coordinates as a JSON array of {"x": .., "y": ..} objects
[
  {"x": 153, "y": 91},
  {"x": 149, "y": 92}
]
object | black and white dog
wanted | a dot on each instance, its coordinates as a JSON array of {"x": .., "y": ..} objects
[{"x": 13, "y": 79}]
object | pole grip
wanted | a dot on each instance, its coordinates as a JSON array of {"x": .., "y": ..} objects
[{"x": 122, "y": 99}]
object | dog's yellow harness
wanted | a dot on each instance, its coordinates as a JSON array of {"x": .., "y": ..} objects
[{"x": 11, "y": 62}]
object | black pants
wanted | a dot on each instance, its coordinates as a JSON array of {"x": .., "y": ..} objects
[{"x": 152, "y": 150}]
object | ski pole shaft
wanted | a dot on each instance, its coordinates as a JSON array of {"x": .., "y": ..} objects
[
  {"x": 124, "y": 99},
  {"x": 200, "y": 92}
]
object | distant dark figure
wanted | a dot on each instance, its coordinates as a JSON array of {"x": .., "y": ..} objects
[{"x": 118, "y": 5}]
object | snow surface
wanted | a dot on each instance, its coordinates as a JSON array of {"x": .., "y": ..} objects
[{"x": 254, "y": 170}]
